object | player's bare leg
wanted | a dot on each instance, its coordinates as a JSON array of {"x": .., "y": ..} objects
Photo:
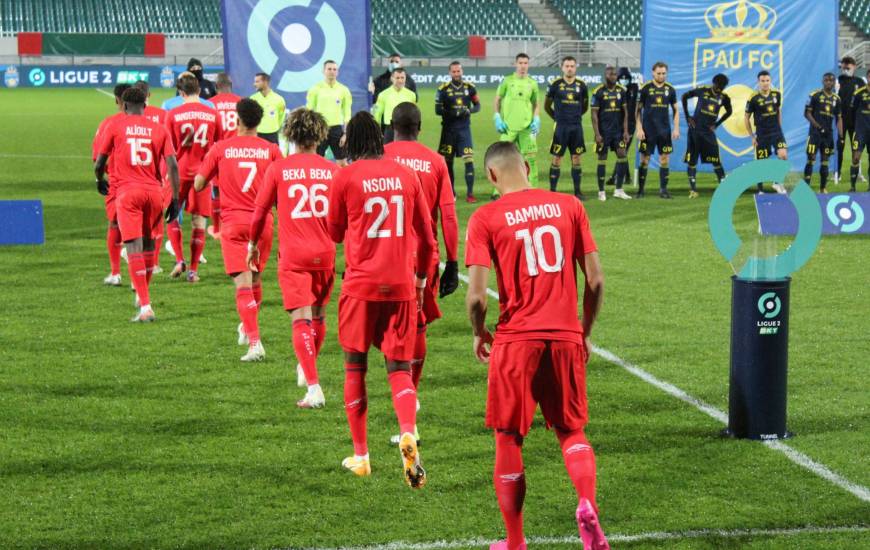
[
  {"x": 664, "y": 173},
  {"x": 197, "y": 245},
  {"x": 621, "y": 175},
  {"x": 246, "y": 305},
  {"x": 114, "y": 246},
  {"x": 356, "y": 407},
  {"x": 305, "y": 346},
  {"x": 555, "y": 171},
  {"x": 141, "y": 262},
  {"x": 509, "y": 480},
  {"x": 641, "y": 176},
  {"x": 405, "y": 405}
]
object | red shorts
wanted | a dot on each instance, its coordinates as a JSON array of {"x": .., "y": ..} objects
[
  {"x": 390, "y": 326},
  {"x": 196, "y": 203},
  {"x": 140, "y": 211},
  {"x": 234, "y": 247},
  {"x": 111, "y": 210},
  {"x": 305, "y": 288},
  {"x": 430, "y": 311},
  {"x": 526, "y": 373}
]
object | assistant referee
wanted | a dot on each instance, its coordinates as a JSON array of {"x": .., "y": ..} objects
[
  {"x": 273, "y": 108},
  {"x": 331, "y": 99}
]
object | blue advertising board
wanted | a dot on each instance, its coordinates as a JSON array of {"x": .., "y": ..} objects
[
  {"x": 91, "y": 76},
  {"x": 842, "y": 214}
]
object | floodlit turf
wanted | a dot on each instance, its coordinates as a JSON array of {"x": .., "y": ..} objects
[{"x": 115, "y": 435}]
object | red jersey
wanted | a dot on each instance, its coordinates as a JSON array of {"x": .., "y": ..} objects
[
  {"x": 137, "y": 146},
  {"x": 226, "y": 107},
  {"x": 240, "y": 163},
  {"x": 193, "y": 128},
  {"x": 155, "y": 114},
  {"x": 432, "y": 171},
  {"x": 300, "y": 184},
  {"x": 95, "y": 150},
  {"x": 377, "y": 207},
  {"x": 535, "y": 239}
]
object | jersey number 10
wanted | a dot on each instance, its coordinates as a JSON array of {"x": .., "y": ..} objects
[{"x": 536, "y": 256}]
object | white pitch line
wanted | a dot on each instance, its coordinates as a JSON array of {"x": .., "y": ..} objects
[
  {"x": 799, "y": 458},
  {"x": 39, "y": 156},
  {"x": 639, "y": 537},
  {"x": 104, "y": 92}
]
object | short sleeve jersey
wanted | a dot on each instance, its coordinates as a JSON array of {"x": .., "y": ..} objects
[
  {"x": 708, "y": 105},
  {"x": 137, "y": 146},
  {"x": 378, "y": 205},
  {"x": 193, "y": 128},
  {"x": 610, "y": 104},
  {"x": 333, "y": 102},
  {"x": 655, "y": 103},
  {"x": 764, "y": 110},
  {"x": 240, "y": 163},
  {"x": 534, "y": 239},
  {"x": 299, "y": 185},
  {"x": 226, "y": 106},
  {"x": 569, "y": 101},
  {"x": 861, "y": 109},
  {"x": 452, "y": 99},
  {"x": 519, "y": 96},
  {"x": 825, "y": 108},
  {"x": 95, "y": 149},
  {"x": 432, "y": 171}
]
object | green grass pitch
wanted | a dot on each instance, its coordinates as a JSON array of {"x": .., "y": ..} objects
[{"x": 114, "y": 435}]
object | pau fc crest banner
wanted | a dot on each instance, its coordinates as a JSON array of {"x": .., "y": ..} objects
[
  {"x": 290, "y": 40},
  {"x": 794, "y": 40}
]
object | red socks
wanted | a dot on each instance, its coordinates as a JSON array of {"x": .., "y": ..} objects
[
  {"x": 419, "y": 356},
  {"x": 404, "y": 400},
  {"x": 175, "y": 237},
  {"x": 509, "y": 479},
  {"x": 197, "y": 245},
  {"x": 138, "y": 270},
  {"x": 150, "y": 256},
  {"x": 356, "y": 406},
  {"x": 247, "y": 307},
  {"x": 216, "y": 214},
  {"x": 113, "y": 245},
  {"x": 580, "y": 463},
  {"x": 305, "y": 348},
  {"x": 258, "y": 293},
  {"x": 319, "y": 327},
  {"x": 158, "y": 241}
]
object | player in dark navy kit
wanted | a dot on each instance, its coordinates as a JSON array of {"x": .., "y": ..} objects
[
  {"x": 861, "y": 139},
  {"x": 847, "y": 84},
  {"x": 610, "y": 124},
  {"x": 764, "y": 108},
  {"x": 624, "y": 79},
  {"x": 455, "y": 101},
  {"x": 702, "y": 143},
  {"x": 654, "y": 130},
  {"x": 823, "y": 107},
  {"x": 567, "y": 100}
]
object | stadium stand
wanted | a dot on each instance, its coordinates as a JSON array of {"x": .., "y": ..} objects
[
  {"x": 450, "y": 17},
  {"x": 597, "y": 19},
  {"x": 858, "y": 12}
]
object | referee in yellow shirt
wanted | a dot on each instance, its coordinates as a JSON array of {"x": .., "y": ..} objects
[
  {"x": 331, "y": 99},
  {"x": 389, "y": 98},
  {"x": 273, "y": 108}
]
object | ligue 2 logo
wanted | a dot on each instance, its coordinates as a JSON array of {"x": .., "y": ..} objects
[
  {"x": 769, "y": 305},
  {"x": 290, "y": 40},
  {"x": 846, "y": 214}
]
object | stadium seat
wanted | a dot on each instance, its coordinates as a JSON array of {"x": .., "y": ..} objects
[
  {"x": 450, "y": 17},
  {"x": 598, "y": 19}
]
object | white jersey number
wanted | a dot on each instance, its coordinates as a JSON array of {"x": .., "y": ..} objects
[
  {"x": 315, "y": 199},
  {"x": 536, "y": 257},
  {"x": 140, "y": 152},
  {"x": 191, "y": 134},
  {"x": 229, "y": 121},
  {"x": 375, "y": 231},
  {"x": 251, "y": 167}
]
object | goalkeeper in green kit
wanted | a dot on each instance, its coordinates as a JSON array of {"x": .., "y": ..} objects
[{"x": 517, "y": 113}]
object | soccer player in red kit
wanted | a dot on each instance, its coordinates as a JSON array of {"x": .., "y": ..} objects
[
  {"x": 432, "y": 171},
  {"x": 113, "y": 234},
  {"x": 158, "y": 116},
  {"x": 240, "y": 163},
  {"x": 138, "y": 146},
  {"x": 193, "y": 128},
  {"x": 378, "y": 209},
  {"x": 225, "y": 104},
  {"x": 299, "y": 185},
  {"x": 536, "y": 239}
]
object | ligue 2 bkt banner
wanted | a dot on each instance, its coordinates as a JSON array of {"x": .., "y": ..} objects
[
  {"x": 795, "y": 40},
  {"x": 290, "y": 40}
]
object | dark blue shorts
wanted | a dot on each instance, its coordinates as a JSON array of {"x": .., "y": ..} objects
[
  {"x": 567, "y": 138},
  {"x": 455, "y": 142}
]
